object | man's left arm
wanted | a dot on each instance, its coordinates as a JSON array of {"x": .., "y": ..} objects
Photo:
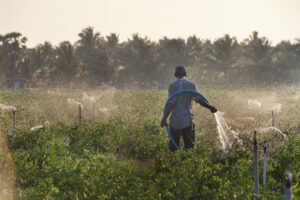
[
  {"x": 206, "y": 105},
  {"x": 203, "y": 103}
]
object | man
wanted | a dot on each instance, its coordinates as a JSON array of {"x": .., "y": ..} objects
[{"x": 181, "y": 120}]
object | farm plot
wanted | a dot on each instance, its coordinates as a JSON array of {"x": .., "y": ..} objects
[{"x": 113, "y": 146}]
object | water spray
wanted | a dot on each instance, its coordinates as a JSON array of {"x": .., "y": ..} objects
[
  {"x": 36, "y": 128},
  {"x": 275, "y": 130},
  {"x": 93, "y": 100},
  {"x": 254, "y": 103},
  {"x": 283, "y": 136},
  {"x": 225, "y": 131}
]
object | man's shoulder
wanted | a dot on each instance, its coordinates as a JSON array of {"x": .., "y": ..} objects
[
  {"x": 189, "y": 82},
  {"x": 186, "y": 82},
  {"x": 174, "y": 83}
]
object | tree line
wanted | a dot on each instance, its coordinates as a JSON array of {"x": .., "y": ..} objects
[{"x": 95, "y": 60}]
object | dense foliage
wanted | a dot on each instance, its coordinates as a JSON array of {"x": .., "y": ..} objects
[
  {"x": 63, "y": 162},
  {"x": 94, "y": 60}
]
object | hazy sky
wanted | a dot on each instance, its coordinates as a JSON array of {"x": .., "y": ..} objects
[{"x": 60, "y": 20}]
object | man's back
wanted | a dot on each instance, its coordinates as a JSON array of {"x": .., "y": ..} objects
[
  {"x": 180, "y": 107},
  {"x": 182, "y": 115}
]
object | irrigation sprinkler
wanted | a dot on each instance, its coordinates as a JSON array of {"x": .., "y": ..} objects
[
  {"x": 273, "y": 118},
  {"x": 14, "y": 118},
  {"x": 282, "y": 139},
  {"x": 265, "y": 145},
  {"x": 79, "y": 114},
  {"x": 93, "y": 113},
  {"x": 288, "y": 184},
  {"x": 273, "y": 124},
  {"x": 91, "y": 99},
  {"x": 118, "y": 152},
  {"x": 256, "y": 174},
  {"x": 80, "y": 106},
  {"x": 13, "y": 109}
]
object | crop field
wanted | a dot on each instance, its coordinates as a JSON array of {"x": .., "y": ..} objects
[{"x": 117, "y": 149}]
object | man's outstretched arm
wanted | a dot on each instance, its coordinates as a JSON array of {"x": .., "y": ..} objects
[
  {"x": 169, "y": 108},
  {"x": 206, "y": 105}
]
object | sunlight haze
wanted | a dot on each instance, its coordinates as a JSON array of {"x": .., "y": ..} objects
[{"x": 61, "y": 20}]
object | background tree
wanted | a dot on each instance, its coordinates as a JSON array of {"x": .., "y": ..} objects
[
  {"x": 170, "y": 52},
  {"x": 43, "y": 63},
  {"x": 95, "y": 59},
  {"x": 138, "y": 60},
  {"x": 221, "y": 55},
  {"x": 66, "y": 63},
  {"x": 12, "y": 47},
  {"x": 258, "y": 50}
]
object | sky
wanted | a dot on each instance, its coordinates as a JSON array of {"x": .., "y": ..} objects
[{"x": 61, "y": 20}]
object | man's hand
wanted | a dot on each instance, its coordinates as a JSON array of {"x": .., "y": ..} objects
[
  {"x": 163, "y": 122},
  {"x": 213, "y": 109},
  {"x": 169, "y": 108},
  {"x": 207, "y": 105}
]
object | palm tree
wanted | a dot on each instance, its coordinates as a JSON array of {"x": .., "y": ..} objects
[
  {"x": 194, "y": 48},
  {"x": 297, "y": 47},
  {"x": 137, "y": 57},
  {"x": 12, "y": 46},
  {"x": 285, "y": 62},
  {"x": 221, "y": 54},
  {"x": 258, "y": 51},
  {"x": 259, "y": 48},
  {"x": 94, "y": 57},
  {"x": 66, "y": 61},
  {"x": 88, "y": 41},
  {"x": 112, "y": 40}
]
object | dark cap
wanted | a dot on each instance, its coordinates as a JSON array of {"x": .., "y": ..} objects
[{"x": 180, "y": 70}]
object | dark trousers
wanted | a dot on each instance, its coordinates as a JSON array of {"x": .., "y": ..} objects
[{"x": 188, "y": 135}]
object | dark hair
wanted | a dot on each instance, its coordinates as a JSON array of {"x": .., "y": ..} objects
[
  {"x": 180, "y": 74},
  {"x": 180, "y": 71}
]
